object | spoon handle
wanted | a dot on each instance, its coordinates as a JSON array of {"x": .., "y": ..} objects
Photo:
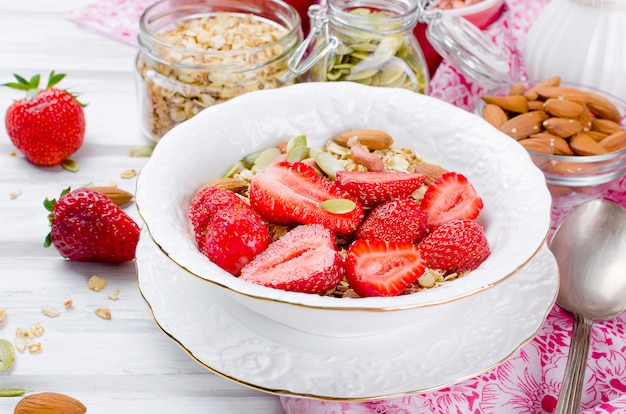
[{"x": 574, "y": 378}]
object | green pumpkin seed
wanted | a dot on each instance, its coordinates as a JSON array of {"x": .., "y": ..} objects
[
  {"x": 12, "y": 392},
  {"x": 234, "y": 170},
  {"x": 387, "y": 48},
  {"x": 393, "y": 72},
  {"x": 338, "y": 206},
  {"x": 141, "y": 151},
  {"x": 298, "y": 153},
  {"x": 7, "y": 354},
  {"x": 329, "y": 164},
  {"x": 249, "y": 160},
  {"x": 362, "y": 75},
  {"x": 265, "y": 158}
]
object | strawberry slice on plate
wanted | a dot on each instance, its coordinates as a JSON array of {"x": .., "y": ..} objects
[
  {"x": 289, "y": 193},
  {"x": 457, "y": 246},
  {"x": 379, "y": 268},
  {"x": 305, "y": 260},
  {"x": 398, "y": 220},
  {"x": 450, "y": 197},
  {"x": 371, "y": 188},
  {"x": 228, "y": 231}
]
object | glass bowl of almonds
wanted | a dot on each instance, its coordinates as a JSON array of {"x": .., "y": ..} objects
[{"x": 573, "y": 133}]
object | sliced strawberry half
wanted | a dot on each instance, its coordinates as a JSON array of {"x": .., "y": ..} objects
[
  {"x": 378, "y": 268},
  {"x": 457, "y": 246},
  {"x": 305, "y": 260},
  {"x": 371, "y": 188},
  {"x": 450, "y": 197},
  {"x": 288, "y": 194},
  {"x": 397, "y": 220}
]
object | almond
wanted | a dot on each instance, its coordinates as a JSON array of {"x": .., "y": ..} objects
[
  {"x": 563, "y": 108},
  {"x": 524, "y": 125},
  {"x": 495, "y": 115},
  {"x": 582, "y": 144},
  {"x": 602, "y": 107},
  {"x": 537, "y": 145},
  {"x": 49, "y": 403},
  {"x": 572, "y": 168},
  {"x": 562, "y": 127},
  {"x": 362, "y": 156},
  {"x": 585, "y": 118},
  {"x": 562, "y": 93},
  {"x": 605, "y": 126},
  {"x": 614, "y": 142},
  {"x": 233, "y": 184},
  {"x": 373, "y": 139},
  {"x": 431, "y": 171},
  {"x": 535, "y": 105},
  {"x": 597, "y": 136},
  {"x": 532, "y": 95},
  {"x": 516, "y": 103},
  {"x": 517, "y": 89},
  {"x": 560, "y": 145},
  {"x": 117, "y": 195}
]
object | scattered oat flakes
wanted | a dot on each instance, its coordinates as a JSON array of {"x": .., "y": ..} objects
[
  {"x": 51, "y": 311},
  {"x": 68, "y": 304},
  {"x": 97, "y": 283},
  {"x": 15, "y": 194},
  {"x": 3, "y": 315},
  {"x": 115, "y": 295},
  {"x": 103, "y": 313},
  {"x": 34, "y": 348},
  {"x": 20, "y": 343},
  {"x": 128, "y": 174}
]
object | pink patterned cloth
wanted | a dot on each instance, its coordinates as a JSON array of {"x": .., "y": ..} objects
[{"x": 529, "y": 381}]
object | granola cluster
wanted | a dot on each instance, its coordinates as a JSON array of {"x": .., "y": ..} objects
[{"x": 207, "y": 60}]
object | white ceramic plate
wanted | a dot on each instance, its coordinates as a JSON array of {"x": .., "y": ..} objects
[
  {"x": 517, "y": 203},
  {"x": 255, "y": 351}
]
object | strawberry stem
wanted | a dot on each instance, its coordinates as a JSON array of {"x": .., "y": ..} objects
[
  {"x": 49, "y": 206},
  {"x": 31, "y": 86}
]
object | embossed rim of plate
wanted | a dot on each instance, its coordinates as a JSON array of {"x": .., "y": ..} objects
[
  {"x": 542, "y": 288},
  {"x": 311, "y": 103}
]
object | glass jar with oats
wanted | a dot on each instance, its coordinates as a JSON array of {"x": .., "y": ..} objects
[
  {"x": 198, "y": 53},
  {"x": 365, "y": 41}
]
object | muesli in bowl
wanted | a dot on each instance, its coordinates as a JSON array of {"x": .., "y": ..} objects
[{"x": 515, "y": 216}]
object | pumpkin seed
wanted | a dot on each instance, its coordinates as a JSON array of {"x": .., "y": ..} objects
[
  {"x": 329, "y": 164},
  {"x": 362, "y": 75},
  {"x": 265, "y": 158},
  {"x": 338, "y": 205},
  {"x": 298, "y": 153},
  {"x": 12, "y": 392},
  {"x": 7, "y": 354}
]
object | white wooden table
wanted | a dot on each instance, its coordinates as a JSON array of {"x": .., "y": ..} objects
[{"x": 125, "y": 364}]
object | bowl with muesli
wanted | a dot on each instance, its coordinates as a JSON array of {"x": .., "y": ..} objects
[{"x": 341, "y": 209}]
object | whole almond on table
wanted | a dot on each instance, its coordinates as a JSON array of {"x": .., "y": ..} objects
[
  {"x": 117, "y": 195},
  {"x": 49, "y": 403}
]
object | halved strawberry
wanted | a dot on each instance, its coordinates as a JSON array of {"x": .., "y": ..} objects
[
  {"x": 371, "y": 188},
  {"x": 291, "y": 193},
  {"x": 378, "y": 268},
  {"x": 450, "y": 197},
  {"x": 398, "y": 220},
  {"x": 303, "y": 260},
  {"x": 456, "y": 246},
  {"x": 228, "y": 231}
]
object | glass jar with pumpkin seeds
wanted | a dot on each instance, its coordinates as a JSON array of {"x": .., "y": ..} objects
[
  {"x": 365, "y": 41},
  {"x": 198, "y": 53}
]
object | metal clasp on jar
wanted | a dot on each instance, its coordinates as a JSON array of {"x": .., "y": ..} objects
[{"x": 297, "y": 63}]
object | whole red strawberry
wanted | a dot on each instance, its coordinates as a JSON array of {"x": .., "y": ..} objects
[
  {"x": 48, "y": 125},
  {"x": 87, "y": 226}
]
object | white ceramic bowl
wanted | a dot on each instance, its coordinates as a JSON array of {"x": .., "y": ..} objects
[{"x": 516, "y": 215}]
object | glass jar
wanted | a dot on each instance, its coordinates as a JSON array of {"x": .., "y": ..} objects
[
  {"x": 582, "y": 41},
  {"x": 198, "y": 53},
  {"x": 365, "y": 41}
]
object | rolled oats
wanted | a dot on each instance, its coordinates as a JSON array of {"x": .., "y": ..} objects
[
  {"x": 206, "y": 60},
  {"x": 103, "y": 313},
  {"x": 96, "y": 283}
]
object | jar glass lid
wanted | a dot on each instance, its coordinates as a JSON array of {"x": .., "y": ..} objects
[{"x": 468, "y": 49}]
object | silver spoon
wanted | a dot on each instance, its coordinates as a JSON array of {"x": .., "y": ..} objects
[{"x": 590, "y": 249}]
